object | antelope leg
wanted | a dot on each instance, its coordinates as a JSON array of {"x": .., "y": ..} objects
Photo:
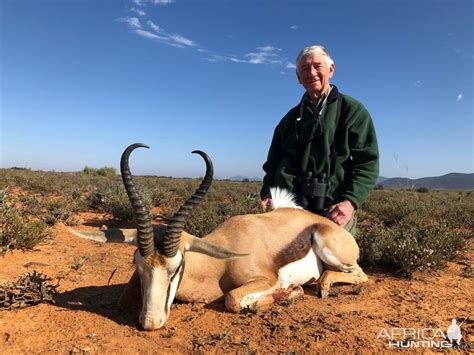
[
  {"x": 260, "y": 294},
  {"x": 330, "y": 277}
]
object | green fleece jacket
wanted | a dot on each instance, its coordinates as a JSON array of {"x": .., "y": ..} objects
[{"x": 357, "y": 162}]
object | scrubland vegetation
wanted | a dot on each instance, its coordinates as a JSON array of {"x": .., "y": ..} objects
[{"x": 402, "y": 231}]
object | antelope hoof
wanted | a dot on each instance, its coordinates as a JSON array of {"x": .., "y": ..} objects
[{"x": 323, "y": 293}]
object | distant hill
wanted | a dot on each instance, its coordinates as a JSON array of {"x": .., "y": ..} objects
[
  {"x": 243, "y": 178},
  {"x": 381, "y": 179},
  {"x": 452, "y": 181}
]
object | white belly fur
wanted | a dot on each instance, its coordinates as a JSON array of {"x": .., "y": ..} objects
[{"x": 301, "y": 271}]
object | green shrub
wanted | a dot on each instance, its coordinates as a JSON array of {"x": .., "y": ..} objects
[
  {"x": 17, "y": 230},
  {"x": 412, "y": 232},
  {"x": 107, "y": 171},
  {"x": 60, "y": 210},
  {"x": 88, "y": 170},
  {"x": 207, "y": 217},
  {"x": 116, "y": 202},
  {"x": 410, "y": 246}
]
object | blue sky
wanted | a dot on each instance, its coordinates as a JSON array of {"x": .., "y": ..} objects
[{"x": 82, "y": 79}]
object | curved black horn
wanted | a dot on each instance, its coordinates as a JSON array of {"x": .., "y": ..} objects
[
  {"x": 141, "y": 213},
  {"x": 171, "y": 239}
]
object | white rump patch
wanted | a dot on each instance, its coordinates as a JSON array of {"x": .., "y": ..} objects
[
  {"x": 301, "y": 271},
  {"x": 282, "y": 198}
]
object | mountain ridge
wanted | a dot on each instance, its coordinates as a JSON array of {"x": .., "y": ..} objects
[{"x": 450, "y": 181}]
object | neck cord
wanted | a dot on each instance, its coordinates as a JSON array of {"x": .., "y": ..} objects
[{"x": 322, "y": 104}]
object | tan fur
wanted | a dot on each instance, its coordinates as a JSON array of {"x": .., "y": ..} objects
[{"x": 271, "y": 240}]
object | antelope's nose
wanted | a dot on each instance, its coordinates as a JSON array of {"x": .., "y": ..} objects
[{"x": 151, "y": 323}]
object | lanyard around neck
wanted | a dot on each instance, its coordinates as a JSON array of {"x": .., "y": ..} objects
[{"x": 317, "y": 114}]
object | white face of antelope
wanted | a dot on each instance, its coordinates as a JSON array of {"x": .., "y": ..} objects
[{"x": 159, "y": 278}]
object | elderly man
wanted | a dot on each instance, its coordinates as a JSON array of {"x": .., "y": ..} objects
[{"x": 324, "y": 149}]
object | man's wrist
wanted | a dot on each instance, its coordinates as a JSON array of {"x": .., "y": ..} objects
[{"x": 352, "y": 204}]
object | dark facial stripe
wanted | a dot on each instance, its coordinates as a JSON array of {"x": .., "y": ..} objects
[{"x": 177, "y": 272}]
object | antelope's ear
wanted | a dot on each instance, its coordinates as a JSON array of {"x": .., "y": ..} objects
[
  {"x": 131, "y": 295},
  {"x": 116, "y": 235},
  {"x": 194, "y": 244}
]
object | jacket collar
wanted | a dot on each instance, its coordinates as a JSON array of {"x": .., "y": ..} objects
[{"x": 333, "y": 95}]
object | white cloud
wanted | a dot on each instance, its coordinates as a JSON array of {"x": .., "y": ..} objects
[
  {"x": 266, "y": 55},
  {"x": 150, "y": 35},
  {"x": 294, "y": 27},
  {"x": 181, "y": 40},
  {"x": 132, "y": 22},
  {"x": 175, "y": 40},
  {"x": 139, "y": 12},
  {"x": 210, "y": 57},
  {"x": 459, "y": 98},
  {"x": 162, "y": 2},
  {"x": 236, "y": 60},
  {"x": 142, "y": 3},
  {"x": 155, "y": 27},
  {"x": 263, "y": 55},
  {"x": 418, "y": 83},
  {"x": 267, "y": 49}
]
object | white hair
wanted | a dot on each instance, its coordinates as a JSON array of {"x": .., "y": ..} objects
[{"x": 314, "y": 49}]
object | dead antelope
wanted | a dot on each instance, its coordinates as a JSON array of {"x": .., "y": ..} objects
[{"x": 250, "y": 261}]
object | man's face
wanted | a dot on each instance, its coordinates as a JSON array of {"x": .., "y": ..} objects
[{"x": 314, "y": 74}]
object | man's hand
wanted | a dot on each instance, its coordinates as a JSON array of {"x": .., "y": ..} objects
[
  {"x": 341, "y": 213},
  {"x": 266, "y": 204}
]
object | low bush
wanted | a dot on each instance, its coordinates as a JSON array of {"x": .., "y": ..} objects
[
  {"x": 60, "y": 210},
  {"x": 409, "y": 233},
  {"x": 410, "y": 246},
  {"x": 116, "y": 202},
  {"x": 18, "y": 230},
  {"x": 107, "y": 171}
]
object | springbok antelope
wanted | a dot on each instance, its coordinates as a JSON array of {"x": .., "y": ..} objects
[{"x": 250, "y": 261}]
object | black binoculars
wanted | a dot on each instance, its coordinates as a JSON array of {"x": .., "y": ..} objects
[{"x": 312, "y": 191}]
